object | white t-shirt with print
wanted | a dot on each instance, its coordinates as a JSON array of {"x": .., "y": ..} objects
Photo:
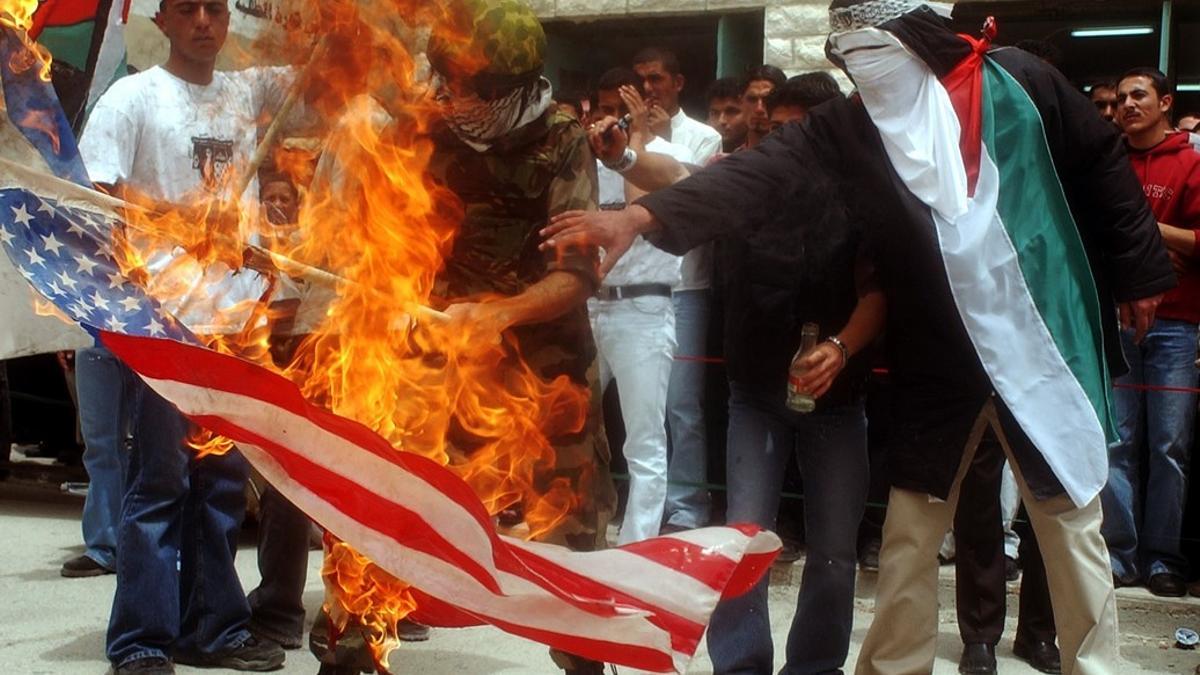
[
  {"x": 181, "y": 142},
  {"x": 704, "y": 142}
]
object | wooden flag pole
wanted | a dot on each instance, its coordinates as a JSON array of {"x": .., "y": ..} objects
[
  {"x": 78, "y": 194},
  {"x": 276, "y": 125}
]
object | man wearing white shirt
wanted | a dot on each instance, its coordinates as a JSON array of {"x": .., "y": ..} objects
[
  {"x": 687, "y": 505},
  {"x": 177, "y": 135},
  {"x": 633, "y": 322}
]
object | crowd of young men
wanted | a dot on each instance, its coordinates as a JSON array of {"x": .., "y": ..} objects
[{"x": 794, "y": 245}]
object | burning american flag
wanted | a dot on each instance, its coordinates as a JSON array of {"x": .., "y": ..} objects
[{"x": 371, "y": 464}]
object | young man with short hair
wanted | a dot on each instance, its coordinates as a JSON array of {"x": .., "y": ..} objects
[
  {"x": 757, "y": 85},
  {"x": 787, "y": 271},
  {"x": 1104, "y": 97},
  {"x": 792, "y": 101},
  {"x": 633, "y": 322},
  {"x": 725, "y": 114},
  {"x": 687, "y": 506},
  {"x": 177, "y": 134},
  {"x": 1159, "y": 424}
]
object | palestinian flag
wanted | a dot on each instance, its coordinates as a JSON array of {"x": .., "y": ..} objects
[
  {"x": 88, "y": 36},
  {"x": 1021, "y": 278}
]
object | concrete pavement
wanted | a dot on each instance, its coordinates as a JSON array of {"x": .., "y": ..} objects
[{"x": 51, "y": 625}]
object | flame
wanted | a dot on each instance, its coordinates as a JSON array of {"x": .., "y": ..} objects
[
  {"x": 205, "y": 442},
  {"x": 378, "y": 354},
  {"x": 18, "y": 15}
]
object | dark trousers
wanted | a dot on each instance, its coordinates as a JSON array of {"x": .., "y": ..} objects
[
  {"x": 277, "y": 605},
  {"x": 979, "y": 563}
]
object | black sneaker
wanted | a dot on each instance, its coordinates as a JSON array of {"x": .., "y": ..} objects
[
  {"x": 153, "y": 665},
  {"x": 83, "y": 566},
  {"x": 253, "y": 655}
]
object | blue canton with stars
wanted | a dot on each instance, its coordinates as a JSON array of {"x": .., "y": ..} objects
[{"x": 64, "y": 253}]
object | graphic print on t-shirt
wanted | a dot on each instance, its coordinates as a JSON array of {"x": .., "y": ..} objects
[{"x": 211, "y": 158}]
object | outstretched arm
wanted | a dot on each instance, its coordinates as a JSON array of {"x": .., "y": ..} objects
[{"x": 734, "y": 194}]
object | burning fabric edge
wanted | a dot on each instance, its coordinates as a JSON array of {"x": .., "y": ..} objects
[{"x": 644, "y": 605}]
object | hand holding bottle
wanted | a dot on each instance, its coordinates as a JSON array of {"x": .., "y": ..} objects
[{"x": 813, "y": 371}]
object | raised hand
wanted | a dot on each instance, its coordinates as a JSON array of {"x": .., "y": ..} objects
[{"x": 608, "y": 140}]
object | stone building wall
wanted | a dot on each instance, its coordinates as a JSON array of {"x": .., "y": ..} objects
[
  {"x": 794, "y": 36},
  {"x": 794, "y": 30}
]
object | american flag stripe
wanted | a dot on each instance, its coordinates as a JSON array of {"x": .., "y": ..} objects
[
  {"x": 644, "y": 606},
  {"x": 523, "y": 609}
]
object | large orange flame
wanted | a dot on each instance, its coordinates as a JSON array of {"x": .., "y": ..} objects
[{"x": 377, "y": 353}]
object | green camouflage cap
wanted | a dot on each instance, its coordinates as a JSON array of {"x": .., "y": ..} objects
[{"x": 492, "y": 40}]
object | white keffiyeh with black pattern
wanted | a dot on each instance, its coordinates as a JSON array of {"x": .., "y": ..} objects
[{"x": 480, "y": 123}]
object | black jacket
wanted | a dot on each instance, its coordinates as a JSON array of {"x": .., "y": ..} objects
[{"x": 940, "y": 382}]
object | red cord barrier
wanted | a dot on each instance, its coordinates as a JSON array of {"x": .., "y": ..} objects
[{"x": 884, "y": 371}]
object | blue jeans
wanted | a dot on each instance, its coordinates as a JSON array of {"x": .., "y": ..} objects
[
  {"x": 177, "y": 589},
  {"x": 100, "y": 380},
  {"x": 688, "y": 505},
  {"x": 831, "y": 446},
  {"x": 1143, "y": 532}
]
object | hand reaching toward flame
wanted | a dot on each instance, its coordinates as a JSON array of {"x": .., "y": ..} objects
[{"x": 613, "y": 231}]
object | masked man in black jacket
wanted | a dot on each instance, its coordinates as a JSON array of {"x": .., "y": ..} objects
[{"x": 1011, "y": 235}]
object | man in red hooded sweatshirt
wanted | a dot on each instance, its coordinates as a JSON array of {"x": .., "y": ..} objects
[{"x": 1157, "y": 425}]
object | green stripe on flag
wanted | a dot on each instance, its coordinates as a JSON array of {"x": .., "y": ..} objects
[
  {"x": 72, "y": 44},
  {"x": 1039, "y": 222}
]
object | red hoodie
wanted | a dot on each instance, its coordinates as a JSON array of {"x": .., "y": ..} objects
[{"x": 1170, "y": 175}]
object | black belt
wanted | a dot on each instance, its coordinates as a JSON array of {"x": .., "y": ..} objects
[{"x": 633, "y": 291}]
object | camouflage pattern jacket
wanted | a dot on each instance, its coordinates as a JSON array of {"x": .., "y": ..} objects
[{"x": 508, "y": 195}]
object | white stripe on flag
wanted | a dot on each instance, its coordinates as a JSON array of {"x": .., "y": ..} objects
[{"x": 1015, "y": 345}]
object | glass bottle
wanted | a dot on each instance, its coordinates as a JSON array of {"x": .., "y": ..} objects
[{"x": 797, "y": 400}]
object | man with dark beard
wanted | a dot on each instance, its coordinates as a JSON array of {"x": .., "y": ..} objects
[{"x": 1009, "y": 230}]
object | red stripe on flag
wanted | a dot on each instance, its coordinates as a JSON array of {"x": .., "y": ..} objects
[
  {"x": 63, "y": 13},
  {"x": 689, "y": 632},
  {"x": 964, "y": 84},
  {"x": 434, "y": 612},
  {"x": 378, "y": 513}
]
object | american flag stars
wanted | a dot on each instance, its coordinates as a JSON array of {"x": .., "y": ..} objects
[{"x": 64, "y": 252}]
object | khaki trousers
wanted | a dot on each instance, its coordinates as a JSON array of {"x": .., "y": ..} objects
[{"x": 902, "y": 639}]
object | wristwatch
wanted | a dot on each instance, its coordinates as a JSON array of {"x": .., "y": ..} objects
[{"x": 625, "y": 163}]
